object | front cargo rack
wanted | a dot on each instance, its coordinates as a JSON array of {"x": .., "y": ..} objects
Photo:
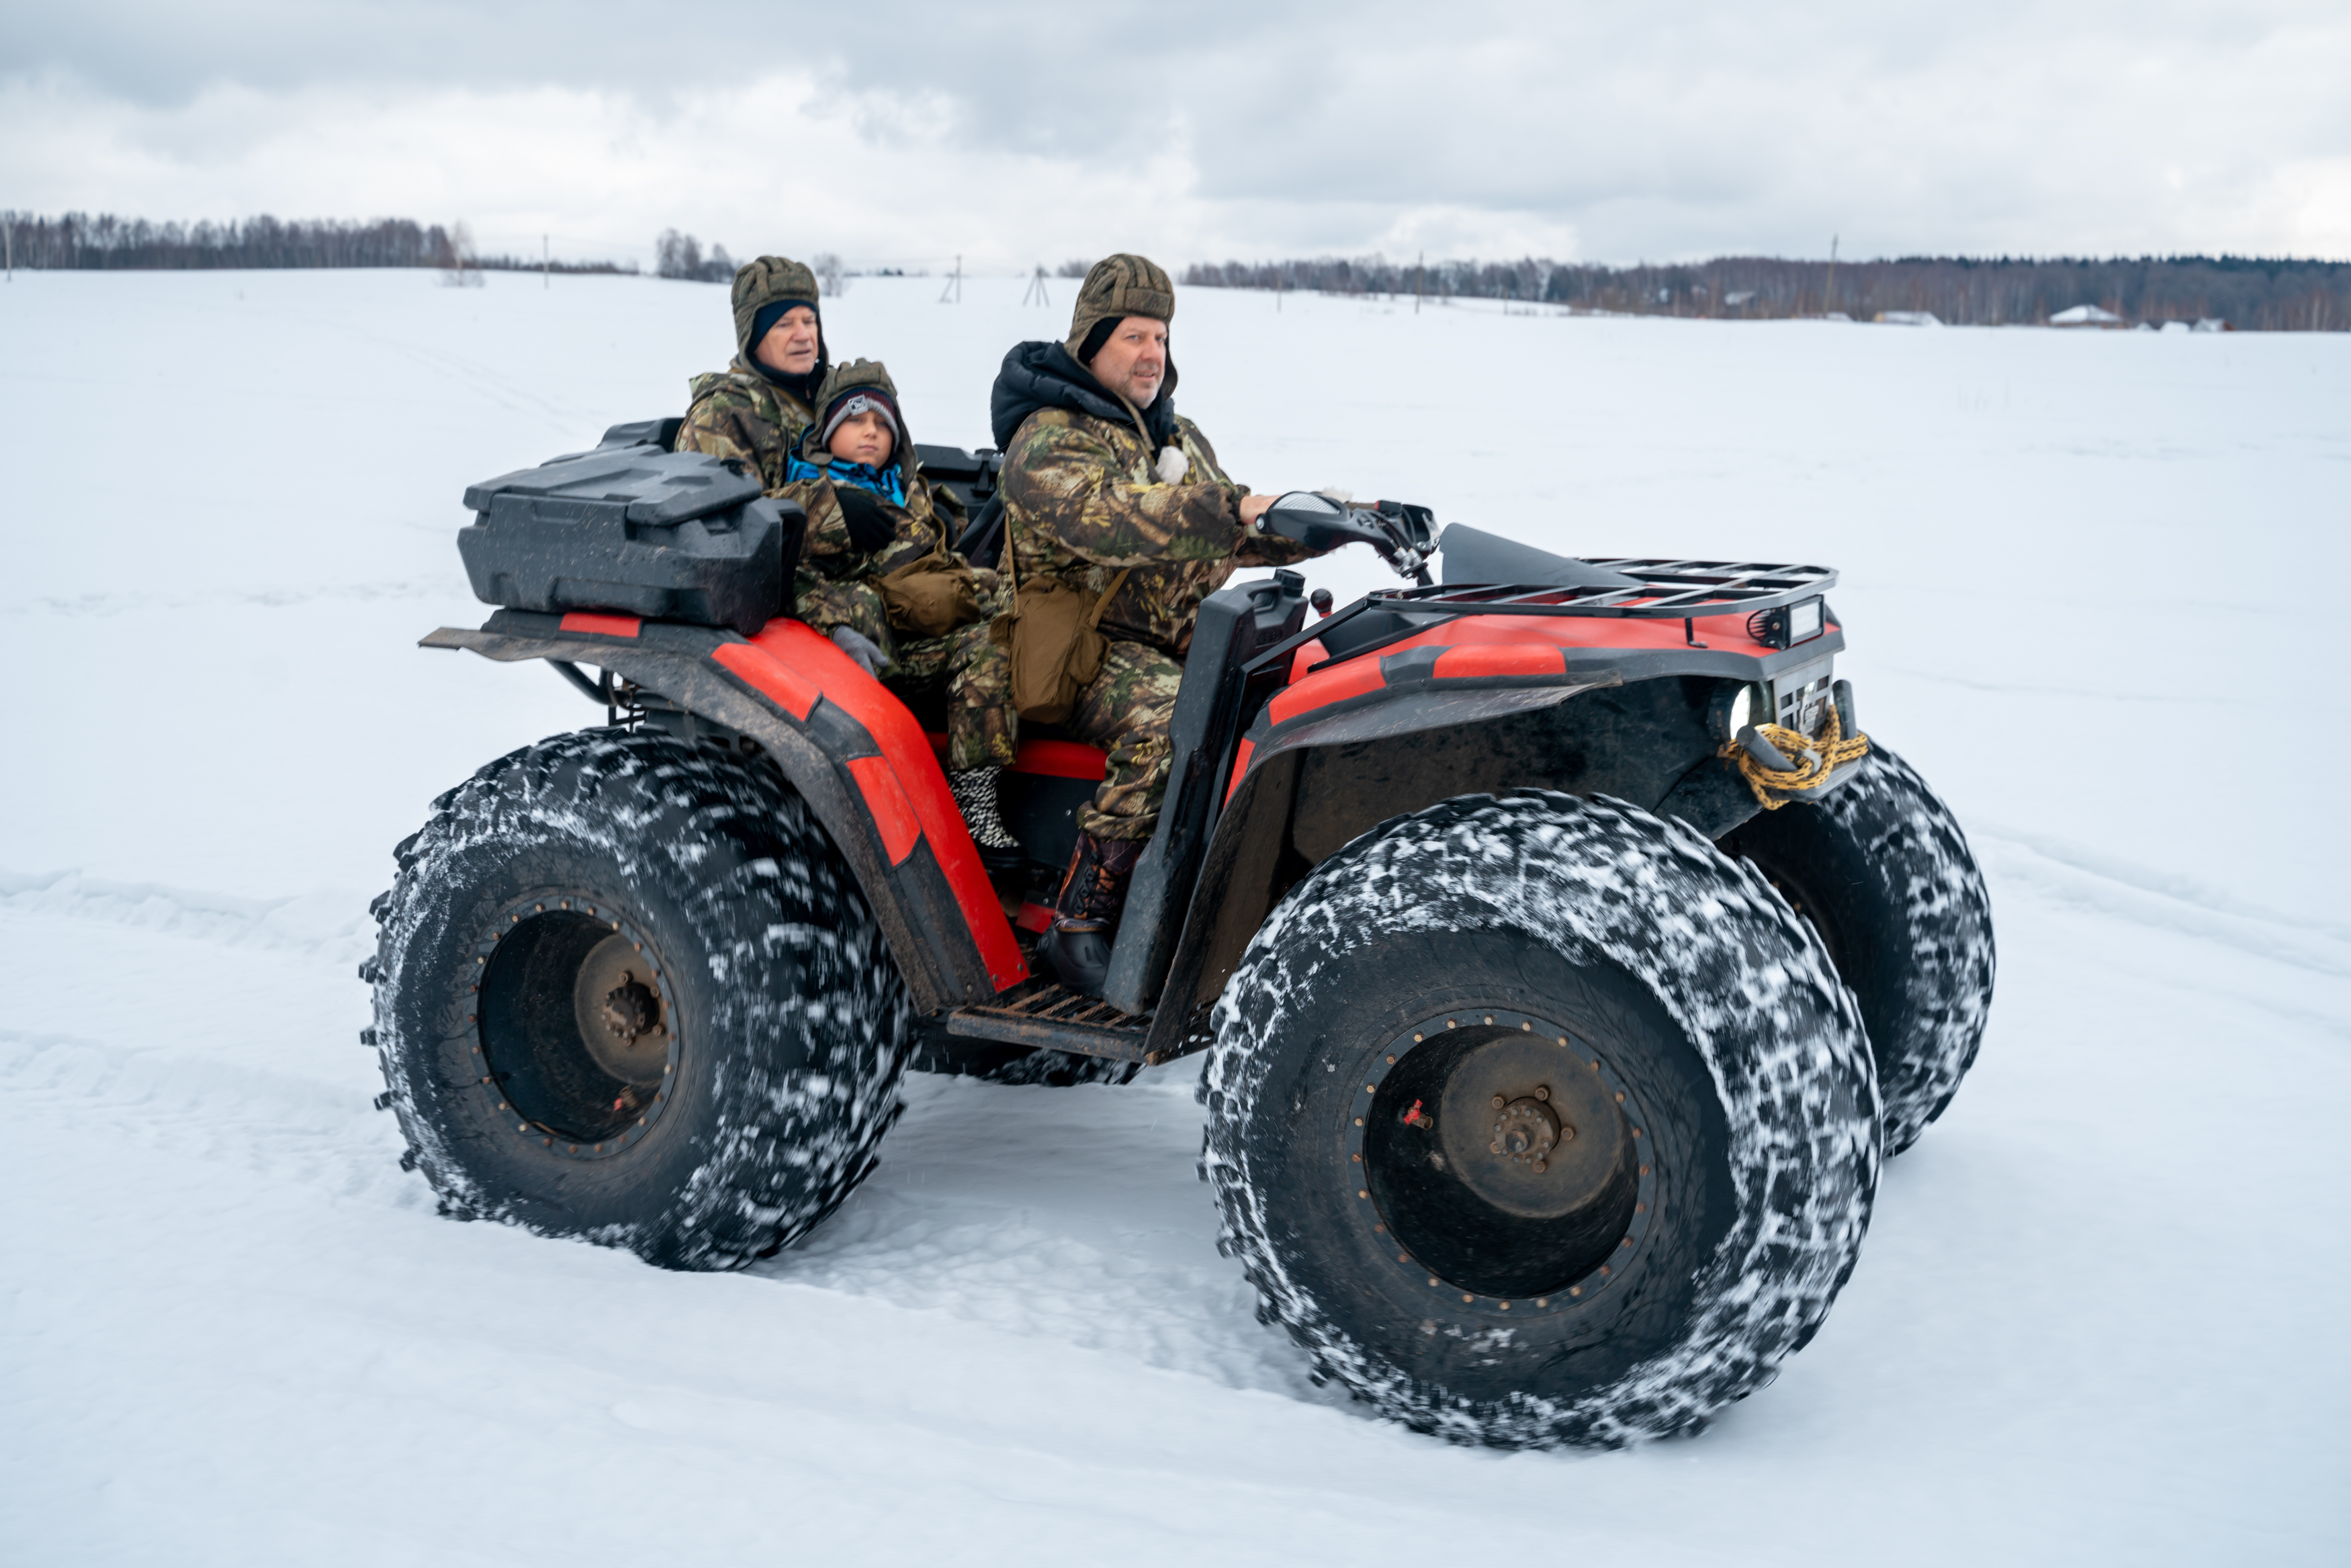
[{"x": 1658, "y": 589}]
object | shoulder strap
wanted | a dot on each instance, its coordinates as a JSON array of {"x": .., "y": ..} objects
[
  {"x": 1150, "y": 448},
  {"x": 1093, "y": 616}
]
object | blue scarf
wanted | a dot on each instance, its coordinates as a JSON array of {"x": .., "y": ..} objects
[{"x": 885, "y": 482}]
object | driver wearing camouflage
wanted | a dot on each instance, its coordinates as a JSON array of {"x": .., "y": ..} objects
[{"x": 1109, "y": 491}]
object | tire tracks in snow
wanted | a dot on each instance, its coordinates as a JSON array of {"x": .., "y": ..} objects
[
  {"x": 290, "y": 1131},
  {"x": 2069, "y": 873},
  {"x": 974, "y": 1213},
  {"x": 332, "y": 925}
]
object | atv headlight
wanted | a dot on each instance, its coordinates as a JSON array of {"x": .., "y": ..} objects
[
  {"x": 1789, "y": 624},
  {"x": 1733, "y": 709}
]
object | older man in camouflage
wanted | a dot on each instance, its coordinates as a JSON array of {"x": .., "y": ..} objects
[
  {"x": 1108, "y": 489},
  {"x": 754, "y": 410},
  {"x": 757, "y": 409}
]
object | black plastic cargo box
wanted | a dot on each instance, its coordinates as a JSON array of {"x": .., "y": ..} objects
[{"x": 634, "y": 528}]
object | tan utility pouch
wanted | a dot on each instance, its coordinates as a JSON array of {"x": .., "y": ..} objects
[
  {"x": 1050, "y": 634},
  {"x": 932, "y": 597}
]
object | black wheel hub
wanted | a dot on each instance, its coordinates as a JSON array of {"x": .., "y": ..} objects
[
  {"x": 573, "y": 1024},
  {"x": 1503, "y": 1162}
]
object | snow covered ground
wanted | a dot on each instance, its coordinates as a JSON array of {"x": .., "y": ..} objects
[{"x": 2091, "y": 587}]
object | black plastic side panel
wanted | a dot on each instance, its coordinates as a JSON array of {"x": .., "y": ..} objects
[
  {"x": 659, "y": 435},
  {"x": 1318, "y": 782},
  {"x": 1211, "y": 710},
  {"x": 1473, "y": 555},
  {"x": 970, "y": 475}
]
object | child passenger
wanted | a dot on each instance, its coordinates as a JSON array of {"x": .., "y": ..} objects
[{"x": 876, "y": 576}]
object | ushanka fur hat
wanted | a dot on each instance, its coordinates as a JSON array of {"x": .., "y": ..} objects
[
  {"x": 1116, "y": 288},
  {"x": 767, "y": 281}
]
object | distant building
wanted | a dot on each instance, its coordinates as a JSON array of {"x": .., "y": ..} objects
[
  {"x": 1908, "y": 319},
  {"x": 2212, "y": 324},
  {"x": 2086, "y": 316}
]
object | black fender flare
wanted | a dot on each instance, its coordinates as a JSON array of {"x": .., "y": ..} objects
[
  {"x": 851, "y": 749},
  {"x": 1250, "y": 857}
]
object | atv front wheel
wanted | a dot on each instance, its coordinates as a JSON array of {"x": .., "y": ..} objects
[
  {"x": 1880, "y": 868},
  {"x": 1538, "y": 1121},
  {"x": 627, "y": 991}
]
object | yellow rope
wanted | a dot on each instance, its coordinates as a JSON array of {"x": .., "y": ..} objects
[{"x": 1830, "y": 751}]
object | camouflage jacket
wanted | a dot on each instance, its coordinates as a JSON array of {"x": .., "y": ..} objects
[
  {"x": 739, "y": 413},
  {"x": 834, "y": 587},
  {"x": 1083, "y": 502}
]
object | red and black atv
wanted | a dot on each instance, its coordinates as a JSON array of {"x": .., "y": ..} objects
[{"x": 1549, "y": 1071}]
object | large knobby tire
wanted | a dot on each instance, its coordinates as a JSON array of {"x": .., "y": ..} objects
[
  {"x": 627, "y": 991},
  {"x": 1386, "y": 1058},
  {"x": 1881, "y": 869}
]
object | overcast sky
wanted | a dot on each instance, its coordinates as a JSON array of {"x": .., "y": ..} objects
[{"x": 1027, "y": 132}]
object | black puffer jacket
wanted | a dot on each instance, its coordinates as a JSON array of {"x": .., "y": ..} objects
[{"x": 1043, "y": 375}]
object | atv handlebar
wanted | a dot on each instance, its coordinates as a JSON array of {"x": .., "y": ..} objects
[{"x": 1399, "y": 532}]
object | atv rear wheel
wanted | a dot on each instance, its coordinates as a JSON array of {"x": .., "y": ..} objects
[
  {"x": 1538, "y": 1121},
  {"x": 1880, "y": 868},
  {"x": 626, "y": 992}
]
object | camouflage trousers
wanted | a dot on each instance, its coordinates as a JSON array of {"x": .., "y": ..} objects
[
  {"x": 982, "y": 727},
  {"x": 825, "y": 603},
  {"x": 1130, "y": 708}
]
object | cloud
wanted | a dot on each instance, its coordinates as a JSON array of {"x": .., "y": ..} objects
[{"x": 1028, "y": 130}]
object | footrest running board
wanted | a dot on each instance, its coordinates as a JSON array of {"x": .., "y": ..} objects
[{"x": 1042, "y": 1013}]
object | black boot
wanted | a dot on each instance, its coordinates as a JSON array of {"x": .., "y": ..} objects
[
  {"x": 975, "y": 797},
  {"x": 1076, "y": 946}
]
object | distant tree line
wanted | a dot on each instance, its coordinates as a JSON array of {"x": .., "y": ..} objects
[
  {"x": 681, "y": 257},
  {"x": 79, "y": 242},
  {"x": 2245, "y": 291}
]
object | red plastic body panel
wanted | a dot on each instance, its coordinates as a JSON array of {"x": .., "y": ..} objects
[
  {"x": 770, "y": 675},
  {"x": 893, "y": 814},
  {"x": 1471, "y": 660},
  {"x": 603, "y": 625},
  {"x": 1336, "y": 685},
  {"x": 1061, "y": 760},
  {"x": 1240, "y": 767},
  {"x": 1726, "y": 633},
  {"x": 796, "y": 654}
]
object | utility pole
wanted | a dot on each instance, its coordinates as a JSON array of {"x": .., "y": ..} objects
[{"x": 953, "y": 290}]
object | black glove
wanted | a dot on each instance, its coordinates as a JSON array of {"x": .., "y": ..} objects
[
  {"x": 870, "y": 527},
  {"x": 1319, "y": 523}
]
